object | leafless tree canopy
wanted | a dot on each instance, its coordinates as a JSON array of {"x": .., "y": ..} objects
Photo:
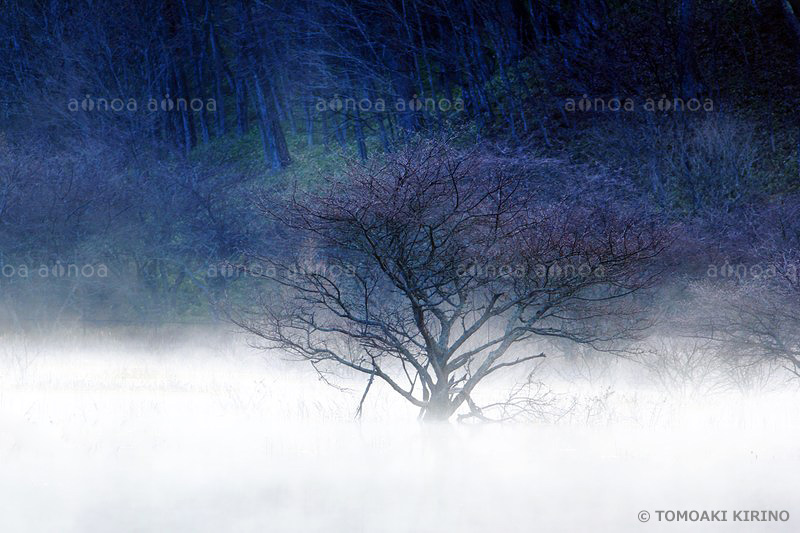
[
  {"x": 425, "y": 268},
  {"x": 750, "y": 308}
]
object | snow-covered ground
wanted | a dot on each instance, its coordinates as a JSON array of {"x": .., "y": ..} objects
[{"x": 199, "y": 433}]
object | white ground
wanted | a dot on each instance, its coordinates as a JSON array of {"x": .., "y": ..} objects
[{"x": 201, "y": 434}]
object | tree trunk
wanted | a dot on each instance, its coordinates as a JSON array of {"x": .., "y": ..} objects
[
  {"x": 794, "y": 24},
  {"x": 439, "y": 407},
  {"x": 309, "y": 122},
  {"x": 218, "y": 76},
  {"x": 688, "y": 75},
  {"x": 276, "y": 149}
]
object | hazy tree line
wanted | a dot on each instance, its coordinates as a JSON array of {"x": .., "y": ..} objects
[{"x": 148, "y": 150}]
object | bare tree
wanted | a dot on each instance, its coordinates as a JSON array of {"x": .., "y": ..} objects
[
  {"x": 425, "y": 269},
  {"x": 753, "y": 322},
  {"x": 749, "y": 306},
  {"x": 684, "y": 366}
]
